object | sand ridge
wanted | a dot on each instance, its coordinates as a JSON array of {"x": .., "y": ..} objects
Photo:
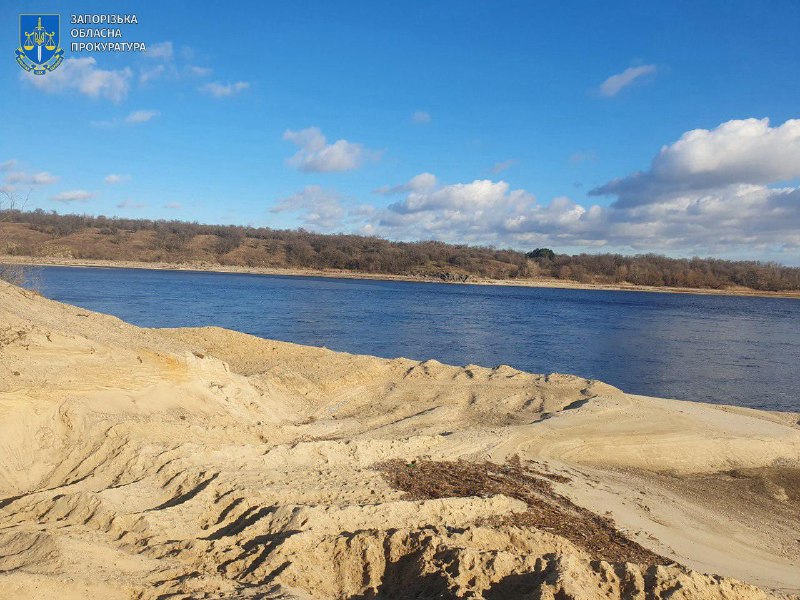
[{"x": 204, "y": 463}]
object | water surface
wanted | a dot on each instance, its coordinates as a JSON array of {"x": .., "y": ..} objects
[{"x": 722, "y": 349}]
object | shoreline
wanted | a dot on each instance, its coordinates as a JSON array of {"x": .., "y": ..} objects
[{"x": 341, "y": 274}]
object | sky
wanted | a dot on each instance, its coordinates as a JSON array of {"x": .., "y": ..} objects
[{"x": 633, "y": 127}]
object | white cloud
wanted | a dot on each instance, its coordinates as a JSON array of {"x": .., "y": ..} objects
[
  {"x": 83, "y": 75},
  {"x": 141, "y": 116},
  {"x": 173, "y": 205},
  {"x": 616, "y": 83},
  {"x": 317, "y": 155},
  {"x": 223, "y": 90},
  {"x": 320, "y": 209},
  {"x": 712, "y": 191},
  {"x": 25, "y": 178},
  {"x": 14, "y": 178},
  {"x": 475, "y": 212},
  {"x": 421, "y": 117},
  {"x": 160, "y": 51},
  {"x": 73, "y": 196},
  {"x": 745, "y": 151},
  {"x": 115, "y": 178},
  {"x": 474, "y": 197},
  {"x": 746, "y": 218},
  {"x": 736, "y": 218},
  {"x": 43, "y": 178},
  {"x": 483, "y": 212},
  {"x": 418, "y": 183},
  {"x": 502, "y": 166}
]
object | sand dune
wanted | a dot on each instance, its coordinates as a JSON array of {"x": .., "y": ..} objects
[{"x": 204, "y": 463}]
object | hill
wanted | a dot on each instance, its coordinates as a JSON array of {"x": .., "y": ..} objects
[{"x": 39, "y": 234}]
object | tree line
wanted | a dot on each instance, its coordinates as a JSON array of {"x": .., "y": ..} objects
[{"x": 47, "y": 234}]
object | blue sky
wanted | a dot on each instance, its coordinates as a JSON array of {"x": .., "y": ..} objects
[{"x": 483, "y": 122}]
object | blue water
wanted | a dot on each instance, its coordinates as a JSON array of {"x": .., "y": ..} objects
[{"x": 722, "y": 349}]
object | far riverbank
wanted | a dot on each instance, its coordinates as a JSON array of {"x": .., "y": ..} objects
[{"x": 542, "y": 282}]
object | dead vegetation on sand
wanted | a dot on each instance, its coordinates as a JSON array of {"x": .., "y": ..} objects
[{"x": 547, "y": 510}]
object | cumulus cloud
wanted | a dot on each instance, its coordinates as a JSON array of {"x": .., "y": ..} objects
[
  {"x": 418, "y": 183},
  {"x": 319, "y": 209},
  {"x": 746, "y": 151},
  {"x": 478, "y": 196},
  {"x": 315, "y": 154},
  {"x": 480, "y": 211},
  {"x": 713, "y": 192},
  {"x": 421, "y": 117},
  {"x": 73, "y": 196},
  {"x": 218, "y": 89},
  {"x": 141, "y": 116},
  {"x": 115, "y": 178},
  {"x": 484, "y": 212},
  {"x": 8, "y": 165},
  {"x": 83, "y": 75},
  {"x": 745, "y": 218},
  {"x": 616, "y": 83}
]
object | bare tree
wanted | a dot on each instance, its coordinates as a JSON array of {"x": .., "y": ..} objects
[
  {"x": 9, "y": 202},
  {"x": 40, "y": 234}
]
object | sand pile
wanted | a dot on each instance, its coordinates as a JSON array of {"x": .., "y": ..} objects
[{"x": 204, "y": 463}]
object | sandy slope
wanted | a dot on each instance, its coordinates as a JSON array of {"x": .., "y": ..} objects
[{"x": 204, "y": 463}]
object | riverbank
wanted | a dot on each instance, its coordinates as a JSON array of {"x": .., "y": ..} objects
[
  {"x": 339, "y": 274},
  {"x": 208, "y": 463}
]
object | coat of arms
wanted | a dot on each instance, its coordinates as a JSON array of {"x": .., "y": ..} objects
[{"x": 39, "y": 50}]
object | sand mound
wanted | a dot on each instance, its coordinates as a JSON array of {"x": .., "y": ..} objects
[{"x": 204, "y": 463}]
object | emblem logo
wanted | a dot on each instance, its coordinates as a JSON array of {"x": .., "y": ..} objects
[{"x": 39, "y": 50}]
